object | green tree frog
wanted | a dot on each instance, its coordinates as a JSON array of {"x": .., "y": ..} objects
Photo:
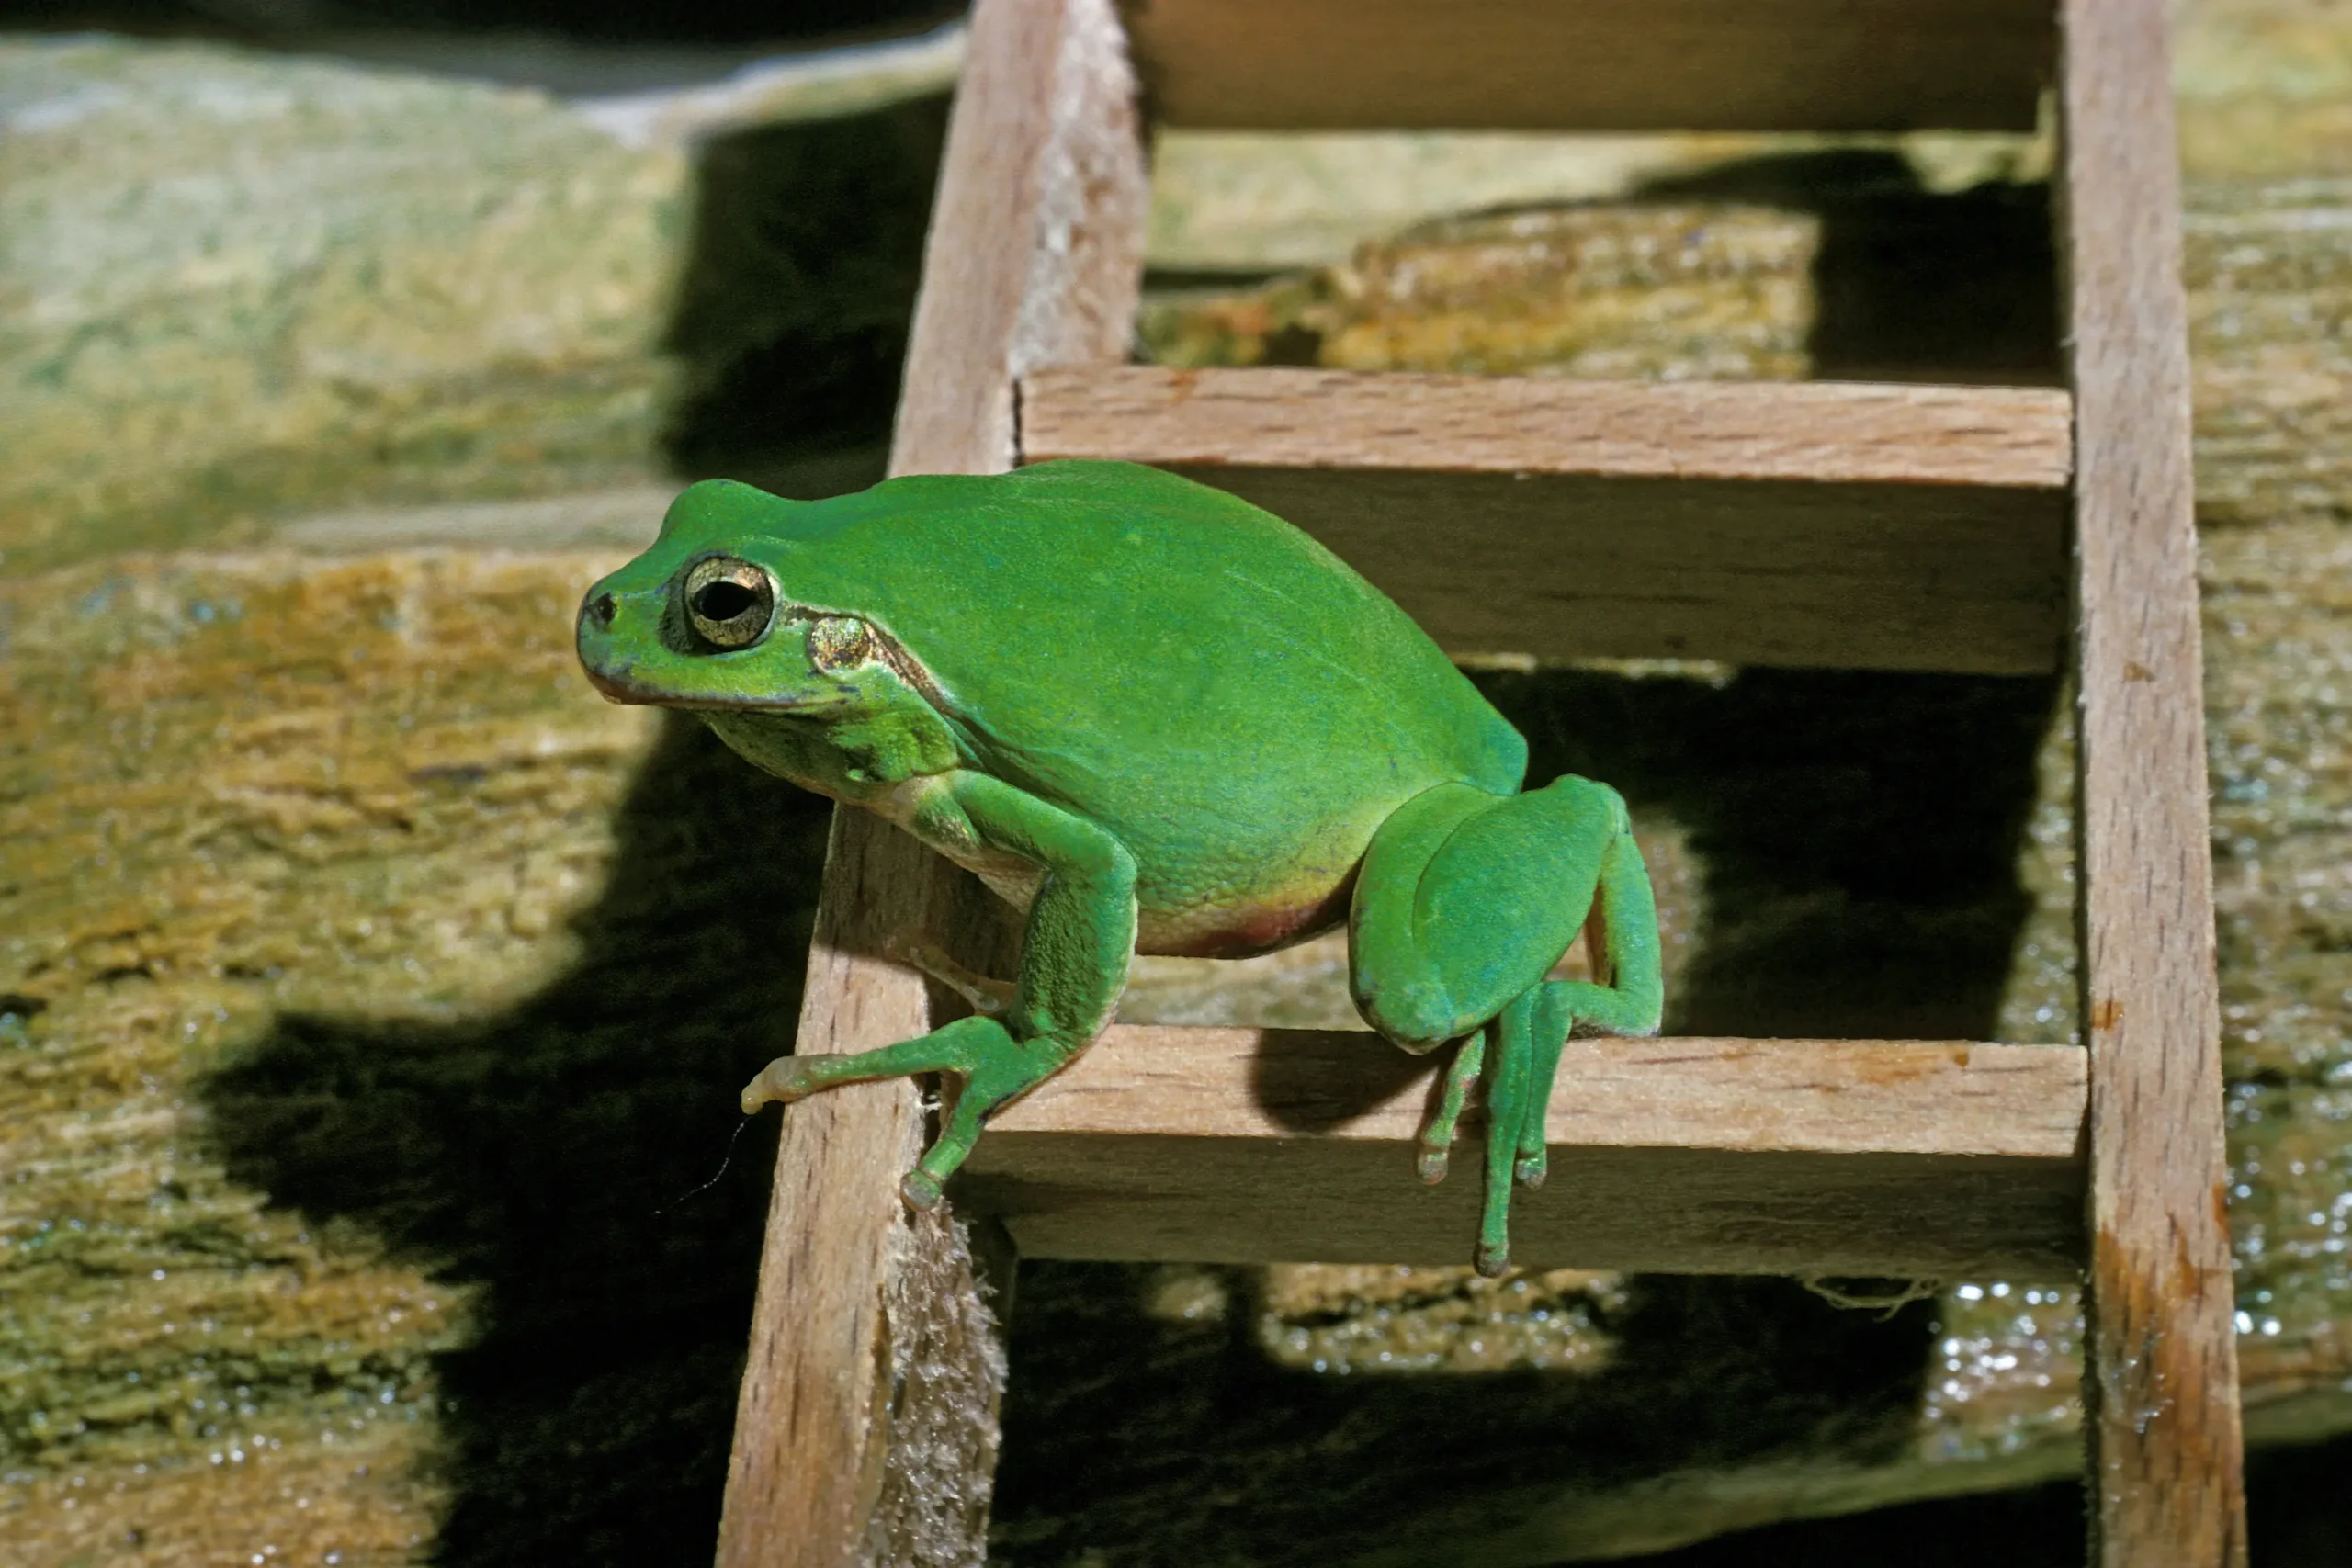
[{"x": 1157, "y": 719}]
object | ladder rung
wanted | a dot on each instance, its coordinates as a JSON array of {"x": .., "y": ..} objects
[
  {"x": 1832, "y": 432},
  {"x": 1813, "y": 523},
  {"x": 1854, "y": 1157},
  {"x": 1596, "y": 64}
]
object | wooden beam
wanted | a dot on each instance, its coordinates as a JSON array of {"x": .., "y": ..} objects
[
  {"x": 1906, "y": 1158},
  {"x": 2161, "y": 1368},
  {"x": 1034, "y": 255},
  {"x": 865, "y": 1430},
  {"x": 1894, "y": 527},
  {"x": 1824, "y": 431},
  {"x": 1594, "y": 65},
  {"x": 814, "y": 1435}
]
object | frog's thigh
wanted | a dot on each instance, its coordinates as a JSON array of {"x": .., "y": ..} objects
[{"x": 1466, "y": 898}]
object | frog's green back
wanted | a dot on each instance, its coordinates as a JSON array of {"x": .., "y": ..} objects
[{"x": 1189, "y": 670}]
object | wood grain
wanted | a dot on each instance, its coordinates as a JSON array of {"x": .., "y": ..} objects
[
  {"x": 1034, "y": 255},
  {"x": 1902, "y": 1158},
  {"x": 1824, "y": 431},
  {"x": 1595, "y": 65},
  {"x": 1892, "y": 527},
  {"x": 865, "y": 1428},
  {"x": 809, "y": 1453},
  {"x": 2161, "y": 1382}
]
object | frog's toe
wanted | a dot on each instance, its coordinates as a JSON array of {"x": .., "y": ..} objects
[
  {"x": 780, "y": 1082},
  {"x": 1438, "y": 1132},
  {"x": 1493, "y": 1259},
  {"x": 920, "y": 1190},
  {"x": 1530, "y": 1170}
]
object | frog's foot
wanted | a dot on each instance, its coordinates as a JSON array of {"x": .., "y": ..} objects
[
  {"x": 1510, "y": 1104},
  {"x": 985, "y": 993},
  {"x": 1464, "y": 903},
  {"x": 995, "y": 1069},
  {"x": 1437, "y": 1134},
  {"x": 1549, "y": 1037}
]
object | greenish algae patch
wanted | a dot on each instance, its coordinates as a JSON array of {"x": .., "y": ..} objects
[
  {"x": 374, "y": 998},
  {"x": 350, "y": 1493},
  {"x": 1672, "y": 291},
  {"x": 232, "y": 789}
]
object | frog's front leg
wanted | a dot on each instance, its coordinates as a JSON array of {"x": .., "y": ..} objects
[
  {"x": 1074, "y": 956},
  {"x": 984, "y": 992},
  {"x": 1464, "y": 902}
]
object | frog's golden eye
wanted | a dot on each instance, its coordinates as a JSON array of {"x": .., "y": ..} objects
[{"x": 729, "y": 601}]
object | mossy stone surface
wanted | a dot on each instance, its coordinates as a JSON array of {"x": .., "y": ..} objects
[
  {"x": 375, "y": 994},
  {"x": 240, "y": 281}
]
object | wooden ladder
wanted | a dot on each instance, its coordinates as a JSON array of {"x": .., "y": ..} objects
[{"x": 1907, "y": 527}]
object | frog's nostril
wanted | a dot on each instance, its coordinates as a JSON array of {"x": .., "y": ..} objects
[{"x": 601, "y": 609}]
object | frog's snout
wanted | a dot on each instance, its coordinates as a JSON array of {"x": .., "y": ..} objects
[{"x": 602, "y": 646}]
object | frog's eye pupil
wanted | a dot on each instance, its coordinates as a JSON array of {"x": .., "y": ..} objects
[
  {"x": 730, "y": 603},
  {"x": 724, "y": 601}
]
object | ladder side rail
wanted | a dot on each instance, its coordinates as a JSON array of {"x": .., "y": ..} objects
[
  {"x": 2164, "y": 1446},
  {"x": 846, "y": 1450}
]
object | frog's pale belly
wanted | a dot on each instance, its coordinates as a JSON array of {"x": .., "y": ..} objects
[
  {"x": 1246, "y": 926},
  {"x": 1196, "y": 928},
  {"x": 1196, "y": 913}
]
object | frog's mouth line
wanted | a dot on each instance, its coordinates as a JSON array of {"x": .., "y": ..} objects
[{"x": 619, "y": 689}]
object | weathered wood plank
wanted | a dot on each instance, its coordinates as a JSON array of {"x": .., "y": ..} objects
[
  {"x": 866, "y": 1428},
  {"x": 808, "y": 1458},
  {"x": 1903, "y": 1158},
  {"x": 1034, "y": 255},
  {"x": 1600, "y": 65},
  {"x": 1826, "y": 432},
  {"x": 1889, "y": 528},
  {"x": 2161, "y": 1383}
]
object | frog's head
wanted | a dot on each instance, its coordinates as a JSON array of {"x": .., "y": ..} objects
[{"x": 702, "y": 619}]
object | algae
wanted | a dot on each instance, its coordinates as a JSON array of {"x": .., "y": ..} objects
[{"x": 360, "y": 1032}]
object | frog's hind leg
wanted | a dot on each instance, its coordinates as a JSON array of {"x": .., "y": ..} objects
[
  {"x": 1464, "y": 902},
  {"x": 1625, "y": 994},
  {"x": 1437, "y": 1134}
]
